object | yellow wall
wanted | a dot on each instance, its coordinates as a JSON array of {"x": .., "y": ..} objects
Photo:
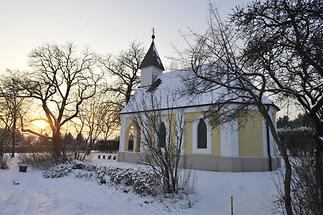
[
  {"x": 216, "y": 145},
  {"x": 188, "y": 126},
  {"x": 172, "y": 119},
  {"x": 189, "y": 119},
  {"x": 251, "y": 135}
]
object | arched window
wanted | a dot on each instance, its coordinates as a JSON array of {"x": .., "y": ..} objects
[
  {"x": 201, "y": 135},
  {"x": 133, "y": 143},
  {"x": 162, "y": 135},
  {"x": 132, "y": 137}
]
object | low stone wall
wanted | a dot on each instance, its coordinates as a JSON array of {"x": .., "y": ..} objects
[
  {"x": 130, "y": 157},
  {"x": 213, "y": 163}
]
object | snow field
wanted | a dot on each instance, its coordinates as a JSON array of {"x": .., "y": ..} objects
[{"x": 253, "y": 194}]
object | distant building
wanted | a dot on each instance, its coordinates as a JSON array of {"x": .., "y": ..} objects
[{"x": 227, "y": 147}]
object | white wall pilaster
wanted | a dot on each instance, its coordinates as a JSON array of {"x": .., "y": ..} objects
[
  {"x": 123, "y": 131},
  {"x": 229, "y": 137},
  {"x": 235, "y": 138}
]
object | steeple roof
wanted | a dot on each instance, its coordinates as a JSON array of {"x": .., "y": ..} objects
[{"x": 152, "y": 58}]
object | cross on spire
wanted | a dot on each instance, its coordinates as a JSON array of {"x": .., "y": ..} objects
[{"x": 153, "y": 35}]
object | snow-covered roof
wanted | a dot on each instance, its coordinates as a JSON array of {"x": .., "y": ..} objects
[{"x": 170, "y": 91}]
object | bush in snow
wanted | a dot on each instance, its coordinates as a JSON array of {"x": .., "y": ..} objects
[
  {"x": 3, "y": 163},
  {"x": 58, "y": 171},
  {"x": 76, "y": 164},
  {"x": 139, "y": 181},
  {"x": 142, "y": 182}
]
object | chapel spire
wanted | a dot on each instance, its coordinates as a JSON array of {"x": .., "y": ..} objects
[{"x": 152, "y": 58}]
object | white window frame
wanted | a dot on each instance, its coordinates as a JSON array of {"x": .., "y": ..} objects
[{"x": 208, "y": 149}]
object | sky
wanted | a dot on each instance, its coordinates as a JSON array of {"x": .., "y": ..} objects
[{"x": 105, "y": 26}]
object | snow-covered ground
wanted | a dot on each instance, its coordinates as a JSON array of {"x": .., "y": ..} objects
[{"x": 31, "y": 193}]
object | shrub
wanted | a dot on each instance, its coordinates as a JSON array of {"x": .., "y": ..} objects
[
  {"x": 139, "y": 181},
  {"x": 4, "y": 163},
  {"x": 305, "y": 188},
  {"x": 299, "y": 141}
]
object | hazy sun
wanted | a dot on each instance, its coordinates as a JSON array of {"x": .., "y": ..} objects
[{"x": 41, "y": 124}]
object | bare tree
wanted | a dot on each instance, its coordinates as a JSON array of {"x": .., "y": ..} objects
[
  {"x": 109, "y": 120},
  {"x": 99, "y": 118},
  {"x": 12, "y": 105},
  {"x": 272, "y": 49},
  {"x": 92, "y": 122},
  {"x": 161, "y": 133},
  {"x": 284, "y": 43},
  {"x": 216, "y": 61},
  {"x": 6, "y": 124},
  {"x": 62, "y": 79},
  {"x": 81, "y": 144},
  {"x": 124, "y": 69}
]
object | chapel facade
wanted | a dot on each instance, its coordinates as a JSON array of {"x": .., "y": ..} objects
[{"x": 238, "y": 145}]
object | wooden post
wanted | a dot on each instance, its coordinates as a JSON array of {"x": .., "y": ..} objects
[{"x": 231, "y": 205}]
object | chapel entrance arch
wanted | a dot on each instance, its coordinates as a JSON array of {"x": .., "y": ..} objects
[{"x": 133, "y": 137}]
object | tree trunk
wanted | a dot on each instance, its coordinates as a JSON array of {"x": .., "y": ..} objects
[
  {"x": 2, "y": 144},
  {"x": 13, "y": 149},
  {"x": 288, "y": 168},
  {"x": 287, "y": 184},
  {"x": 318, "y": 173},
  {"x": 1, "y": 149},
  {"x": 57, "y": 148},
  {"x": 318, "y": 169},
  {"x": 287, "y": 179}
]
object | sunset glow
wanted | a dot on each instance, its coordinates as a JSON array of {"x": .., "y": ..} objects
[{"x": 40, "y": 124}]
